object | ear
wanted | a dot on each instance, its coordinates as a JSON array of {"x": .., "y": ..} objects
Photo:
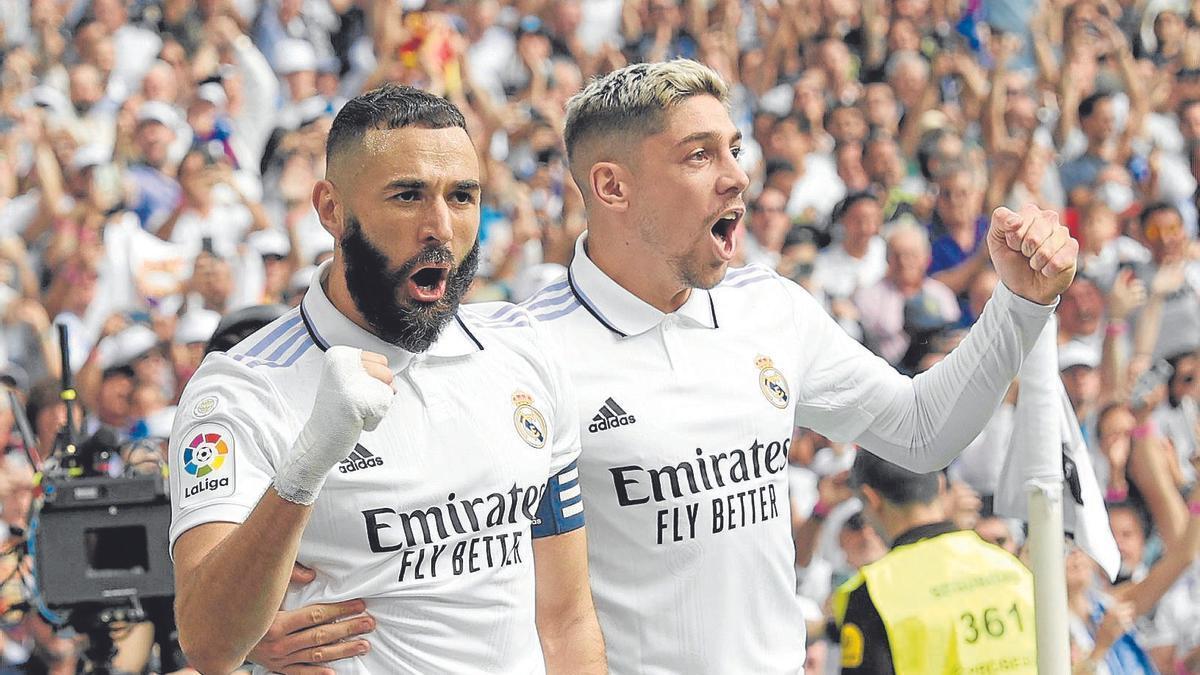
[
  {"x": 609, "y": 183},
  {"x": 328, "y": 205},
  {"x": 872, "y": 498}
]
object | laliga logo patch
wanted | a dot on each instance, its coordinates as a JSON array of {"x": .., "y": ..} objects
[
  {"x": 530, "y": 424},
  {"x": 771, "y": 382},
  {"x": 207, "y": 462}
]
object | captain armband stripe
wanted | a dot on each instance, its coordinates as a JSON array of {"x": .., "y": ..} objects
[{"x": 561, "y": 508}]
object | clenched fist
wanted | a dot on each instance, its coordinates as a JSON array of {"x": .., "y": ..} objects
[
  {"x": 353, "y": 396},
  {"x": 1033, "y": 253}
]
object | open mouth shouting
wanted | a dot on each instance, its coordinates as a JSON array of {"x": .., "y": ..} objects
[
  {"x": 427, "y": 283},
  {"x": 723, "y": 232}
]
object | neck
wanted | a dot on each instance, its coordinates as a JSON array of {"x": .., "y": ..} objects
[
  {"x": 898, "y": 520},
  {"x": 636, "y": 269},
  {"x": 962, "y": 233},
  {"x": 857, "y": 248},
  {"x": 907, "y": 289}
]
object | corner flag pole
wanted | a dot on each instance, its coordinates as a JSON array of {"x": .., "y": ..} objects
[{"x": 1048, "y": 563}]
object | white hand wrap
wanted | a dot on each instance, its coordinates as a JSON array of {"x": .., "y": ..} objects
[{"x": 349, "y": 401}]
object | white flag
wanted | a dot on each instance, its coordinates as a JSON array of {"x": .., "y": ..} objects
[{"x": 1047, "y": 449}]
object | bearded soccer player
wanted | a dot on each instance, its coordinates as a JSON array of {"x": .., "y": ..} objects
[
  {"x": 392, "y": 443},
  {"x": 691, "y": 377}
]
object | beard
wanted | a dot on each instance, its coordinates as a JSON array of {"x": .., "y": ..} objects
[
  {"x": 694, "y": 268},
  {"x": 698, "y": 273},
  {"x": 375, "y": 288}
]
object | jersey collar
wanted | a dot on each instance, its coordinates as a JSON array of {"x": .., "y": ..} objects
[
  {"x": 623, "y": 312},
  {"x": 329, "y": 327}
]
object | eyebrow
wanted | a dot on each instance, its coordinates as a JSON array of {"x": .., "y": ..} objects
[
  {"x": 708, "y": 136},
  {"x": 469, "y": 185}
]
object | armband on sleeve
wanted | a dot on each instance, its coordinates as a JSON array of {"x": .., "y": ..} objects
[{"x": 561, "y": 508}]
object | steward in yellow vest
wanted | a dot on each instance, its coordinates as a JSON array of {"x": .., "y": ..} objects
[{"x": 942, "y": 600}]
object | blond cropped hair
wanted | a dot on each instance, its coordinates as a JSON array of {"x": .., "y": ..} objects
[{"x": 631, "y": 103}]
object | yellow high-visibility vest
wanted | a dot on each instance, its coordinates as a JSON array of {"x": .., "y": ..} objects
[{"x": 951, "y": 604}]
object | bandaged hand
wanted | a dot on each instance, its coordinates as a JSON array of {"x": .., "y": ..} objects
[{"x": 353, "y": 396}]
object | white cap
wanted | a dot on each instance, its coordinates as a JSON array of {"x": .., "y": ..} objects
[
  {"x": 198, "y": 325},
  {"x": 826, "y": 462},
  {"x": 533, "y": 279},
  {"x": 329, "y": 64},
  {"x": 158, "y": 424},
  {"x": 157, "y": 111},
  {"x": 48, "y": 97},
  {"x": 1075, "y": 353},
  {"x": 302, "y": 279},
  {"x": 213, "y": 93},
  {"x": 312, "y": 109},
  {"x": 90, "y": 155},
  {"x": 125, "y": 347},
  {"x": 294, "y": 56},
  {"x": 269, "y": 242}
]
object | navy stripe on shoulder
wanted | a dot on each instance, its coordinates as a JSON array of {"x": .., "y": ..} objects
[
  {"x": 508, "y": 316},
  {"x": 549, "y": 314},
  {"x": 268, "y": 336},
  {"x": 516, "y": 320},
  {"x": 550, "y": 289},
  {"x": 748, "y": 280},
  {"x": 282, "y": 361},
  {"x": 502, "y": 312},
  {"x": 547, "y": 300}
]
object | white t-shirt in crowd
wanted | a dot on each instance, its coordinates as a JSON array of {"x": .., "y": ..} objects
[
  {"x": 840, "y": 274},
  {"x": 819, "y": 189}
]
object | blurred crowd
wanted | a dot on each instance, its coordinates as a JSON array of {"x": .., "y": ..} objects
[{"x": 157, "y": 159}]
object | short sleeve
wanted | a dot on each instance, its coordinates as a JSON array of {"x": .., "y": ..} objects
[
  {"x": 224, "y": 446},
  {"x": 567, "y": 443},
  {"x": 561, "y": 507}
]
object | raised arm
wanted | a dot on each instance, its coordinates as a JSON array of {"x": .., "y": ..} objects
[
  {"x": 220, "y": 623},
  {"x": 924, "y": 422},
  {"x": 1146, "y": 593}
]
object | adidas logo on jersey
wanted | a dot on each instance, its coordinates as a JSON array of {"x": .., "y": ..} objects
[
  {"x": 610, "y": 416},
  {"x": 358, "y": 459}
]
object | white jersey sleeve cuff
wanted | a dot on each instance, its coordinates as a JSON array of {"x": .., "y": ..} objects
[{"x": 223, "y": 512}]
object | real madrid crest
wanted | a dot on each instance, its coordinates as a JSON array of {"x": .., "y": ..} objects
[
  {"x": 205, "y": 406},
  {"x": 771, "y": 382},
  {"x": 530, "y": 424}
]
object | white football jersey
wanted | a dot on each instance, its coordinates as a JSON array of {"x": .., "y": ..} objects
[
  {"x": 686, "y": 421},
  {"x": 429, "y": 518}
]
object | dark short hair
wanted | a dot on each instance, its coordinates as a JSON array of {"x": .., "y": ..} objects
[
  {"x": 897, "y": 485},
  {"x": 844, "y": 206},
  {"x": 803, "y": 125},
  {"x": 43, "y": 394},
  {"x": 835, "y": 109},
  {"x": 1088, "y": 105},
  {"x": 1153, "y": 208},
  {"x": 392, "y": 106},
  {"x": 775, "y": 166},
  {"x": 237, "y": 326},
  {"x": 1140, "y": 516}
]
